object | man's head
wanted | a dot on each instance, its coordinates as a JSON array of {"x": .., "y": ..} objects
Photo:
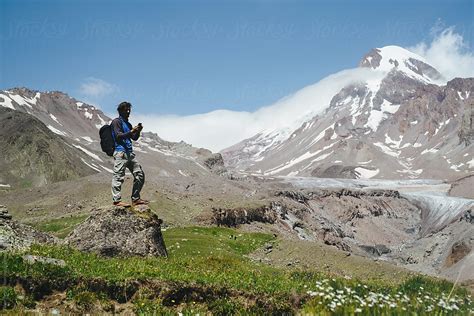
[{"x": 124, "y": 109}]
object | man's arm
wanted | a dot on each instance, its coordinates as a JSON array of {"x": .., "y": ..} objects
[
  {"x": 135, "y": 131},
  {"x": 118, "y": 131},
  {"x": 135, "y": 135}
]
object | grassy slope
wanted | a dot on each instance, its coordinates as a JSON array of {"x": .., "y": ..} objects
[{"x": 209, "y": 265}]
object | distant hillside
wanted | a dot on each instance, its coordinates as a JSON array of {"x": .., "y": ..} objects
[
  {"x": 78, "y": 123},
  {"x": 32, "y": 155}
]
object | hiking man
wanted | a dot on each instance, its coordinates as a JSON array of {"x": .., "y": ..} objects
[{"x": 124, "y": 157}]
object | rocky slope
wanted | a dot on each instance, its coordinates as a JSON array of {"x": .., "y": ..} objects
[
  {"x": 398, "y": 124},
  {"x": 78, "y": 123},
  {"x": 381, "y": 224},
  {"x": 32, "y": 155}
]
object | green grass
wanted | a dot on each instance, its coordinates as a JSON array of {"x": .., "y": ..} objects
[
  {"x": 8, "y": 297},
  {"x": 212, "y": 262},
  {"x": 202, "y": 242},
  {"x": 61, "y": 227},
  {"x": 26, "y": 183}
]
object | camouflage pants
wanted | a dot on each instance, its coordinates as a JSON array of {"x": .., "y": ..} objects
[{"x": 121, "y": 162}]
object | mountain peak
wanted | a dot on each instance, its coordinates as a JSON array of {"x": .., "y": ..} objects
[{"x": 392, "y": 57}]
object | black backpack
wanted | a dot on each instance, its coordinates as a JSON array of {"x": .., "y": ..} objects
[{"x": 106, "y": 140}]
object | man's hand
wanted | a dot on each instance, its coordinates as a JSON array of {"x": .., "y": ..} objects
[{"x": 137, "y": 129}]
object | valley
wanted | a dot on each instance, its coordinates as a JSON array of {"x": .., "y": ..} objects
[{"x": 371, "y": 192}]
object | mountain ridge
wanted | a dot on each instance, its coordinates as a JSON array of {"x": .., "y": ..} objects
[{"x": 367, "y": 121}]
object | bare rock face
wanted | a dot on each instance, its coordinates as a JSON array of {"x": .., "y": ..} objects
[
  {"x": 236, "y": 217},
  {"x": 118, "y": 231},
  {"x": 215, "y": 163},
  {"x": 16, "y": 236}
]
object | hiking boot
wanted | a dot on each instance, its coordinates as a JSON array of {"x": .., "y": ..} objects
[
  {"x": 140, "y": 202},
  {"x": 120, "y": 203}
]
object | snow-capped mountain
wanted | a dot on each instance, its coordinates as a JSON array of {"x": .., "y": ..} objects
[
  {"x": 399, "y": 123},
  {"x": 78, "y": 123}
]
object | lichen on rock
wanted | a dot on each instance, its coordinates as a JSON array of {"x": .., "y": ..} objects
[
  {"x": 119, "y": 231},
  {"x": 15, "y": 236}
]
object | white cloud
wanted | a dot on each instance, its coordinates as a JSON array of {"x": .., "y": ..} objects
[
  {"x": 216, "y": 130},
  {"x": 448, "y": 53},
  {"x": 222, "y": 128},
  {"x": 95, "y": 88}
]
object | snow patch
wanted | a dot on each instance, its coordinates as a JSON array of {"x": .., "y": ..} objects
[
  {"x": 321, "y": 135},
  {"x": 470, "y": 163},
  {"x": 91, "y": 154},
  {"x": 456, "y": 167},
  {"x": 412, "y": 173},
  {"x": 387, "y": 150},
  {"x": 137, "y": 148},
  {"x": 366, "y": 173},
  {"x": 56, "y": 131},
  {"x": 299, "y": 159},
  {"x": 399, "y": 58},
  {"x": 107, "y": 169},
  {"x": 90, "y": 166},
  {"x": 54, "y": 119},
  {"x": 102, "y": 121},
  {"x": 88, "y": 115},
  {"x": 429, "y": 151},
  {"x": 322, "y": 157},
  {"x": 377, "y": 116},
  {"x": 7, "y": 103},
  {"x": 21, "y": 100},
  {"x": 87, "y": 138},
  {"x": 393, "y": 143}
]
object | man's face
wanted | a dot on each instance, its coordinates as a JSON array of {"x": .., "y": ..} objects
[{"x": 126, "y": 112}]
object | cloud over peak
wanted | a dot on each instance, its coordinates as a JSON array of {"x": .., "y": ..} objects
[
  {"x": 216, "y": 130},
  {"x": 448, "y": 53},
  {"x": 95, "y": 88}
]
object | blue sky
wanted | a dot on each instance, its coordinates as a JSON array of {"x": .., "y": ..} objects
[{"x": 188, "y": 57}]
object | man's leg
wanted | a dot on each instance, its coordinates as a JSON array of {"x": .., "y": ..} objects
[
  {"x": 120, "y": 163},
  {"x": 138, "y": 177}
]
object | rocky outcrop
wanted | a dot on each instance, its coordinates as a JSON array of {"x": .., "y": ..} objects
[
  {"x": 215, "y": 163},
  {"x": 349, "y": 218},
  {"x": 299, "y": 197},
  {"x": 459, "y": 250},
  {"x": 468, "y": 217},
  {"x": 335, "y": 171},
  {"x": 376, "y": 250},
  {"x": 238, "y": 216},
  {"x": 118, "y": 231},
  {"x": 15, "y": 236}
]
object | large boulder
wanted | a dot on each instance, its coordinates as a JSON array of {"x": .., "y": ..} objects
[
  {"x": 119, "y": 231},
  {"x": 15, "y": 236}
]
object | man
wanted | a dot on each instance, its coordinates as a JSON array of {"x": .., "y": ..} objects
[{"x": 124, "y": 157}]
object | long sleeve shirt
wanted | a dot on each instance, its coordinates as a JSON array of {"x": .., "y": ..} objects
[{"x": 123, "y": 136}]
